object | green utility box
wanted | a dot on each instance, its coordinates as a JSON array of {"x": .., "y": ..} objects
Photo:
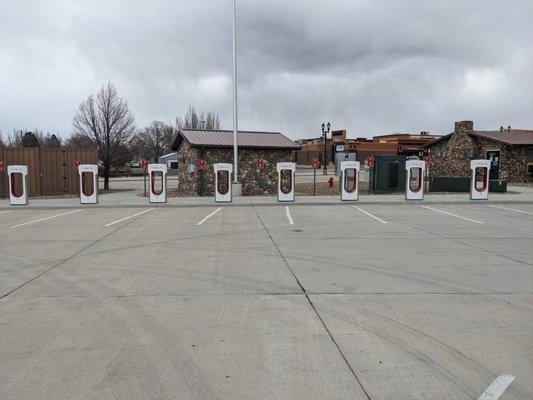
[{"x": 388, "y": 174}]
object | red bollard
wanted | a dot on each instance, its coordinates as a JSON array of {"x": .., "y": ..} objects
[{"x": 330, "y": 181}]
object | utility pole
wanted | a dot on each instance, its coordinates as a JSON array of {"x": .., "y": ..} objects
[{"x": 235, "y": 152}]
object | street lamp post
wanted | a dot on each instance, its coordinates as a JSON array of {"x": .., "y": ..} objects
[{"x": 325, "y": 131}]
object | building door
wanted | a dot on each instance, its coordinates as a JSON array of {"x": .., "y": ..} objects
[{"x": 494, "y": 157}]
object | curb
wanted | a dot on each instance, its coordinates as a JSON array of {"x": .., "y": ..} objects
[{"x": 295, "y": 203}]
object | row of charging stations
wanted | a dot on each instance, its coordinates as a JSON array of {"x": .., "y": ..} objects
[
  {"x": 414, "y": 186},
  {"x": 479, "y": 181}
]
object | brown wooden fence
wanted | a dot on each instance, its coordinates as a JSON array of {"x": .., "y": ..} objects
[{"x": 51, "y": 171}]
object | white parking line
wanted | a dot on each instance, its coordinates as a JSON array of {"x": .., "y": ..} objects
[
  {"x": 452, "y": 215},
  {"x": 370, "y": 215},
  {"x": 288, "y": 215},
  {"x": 45, "y": 219},
  {"x": 3, "y": 212},
  {"x": 511, "y": 209},
  {"x": 210, "y": 215},
  {"x": 131, "y": 216},
  {"x": 497, "y": 387}
]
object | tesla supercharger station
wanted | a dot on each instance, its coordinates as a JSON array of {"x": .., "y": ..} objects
[
  {"x": 88, "y": 176},
  {"x": 157, "y": 177},
  {"x": 350, "y": 180},
  {"x": 223, "y": 173},
  {"x": 479, "y": 183},
  {"x": 414, "y": 180},
  {"x": 18, "y": 184},
  {"x": 286, "y": 181}
]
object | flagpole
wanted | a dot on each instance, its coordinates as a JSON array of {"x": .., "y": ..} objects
[{"x": 235, "y": 152}]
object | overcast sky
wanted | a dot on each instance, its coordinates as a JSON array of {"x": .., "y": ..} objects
[{"x": 371, "y": 67}]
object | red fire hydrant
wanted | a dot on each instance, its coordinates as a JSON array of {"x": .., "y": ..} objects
[{"x": 330, "y": 181}]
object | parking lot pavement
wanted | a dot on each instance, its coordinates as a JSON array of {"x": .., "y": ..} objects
[{"x": 372, "y": 301}]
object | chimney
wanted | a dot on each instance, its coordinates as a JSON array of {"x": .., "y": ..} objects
[
  {"x": 464, "y": 126},
  {"x": 501, "y": 128},
  {"x": 509, "y": 129}
]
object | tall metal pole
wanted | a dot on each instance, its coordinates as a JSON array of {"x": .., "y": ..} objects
[
  {"x": 325, "y": 166},
  {"x": 235, "y": 152}
]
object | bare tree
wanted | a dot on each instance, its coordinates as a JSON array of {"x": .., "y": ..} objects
[
  {"x": 194, "y": 120},
  {"x": 79, "y": 141},
  {"x": 107, "y": 122},
  {"x": 2, "y": 142},
  {"x": 155, "y": 139}
]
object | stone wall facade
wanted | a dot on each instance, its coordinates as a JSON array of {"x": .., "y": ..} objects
[
  {"x": 451, "y": 156},
  {"x": 203, "y": 183}
]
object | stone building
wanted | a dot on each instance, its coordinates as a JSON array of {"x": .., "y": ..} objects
[
  {"x": 511, "y": 152},
  {"x": 216, "y": 146}
]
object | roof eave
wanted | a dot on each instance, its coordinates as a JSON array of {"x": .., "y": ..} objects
[{"x": 229, "y": 146}]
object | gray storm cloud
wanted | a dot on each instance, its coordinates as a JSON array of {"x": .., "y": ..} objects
[{"x": 371, "y": 67}]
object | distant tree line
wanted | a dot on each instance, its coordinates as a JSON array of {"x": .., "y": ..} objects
[
  {"x": 105, "y": 122},
  {"x": 35, "y": 138}
]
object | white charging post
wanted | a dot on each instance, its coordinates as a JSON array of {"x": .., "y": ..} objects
[
  {"x": 157, "y": 176},
  {"x": 18, "y": 184},
  {"x": 88, "y": 176},
  {"x": 350, "y": 180},
  {"x": 479, "y": 181},
  {"x": 223, "y": 173},
  {"x": 414, "y": 179},
  {"x": 286, "y": 172}
]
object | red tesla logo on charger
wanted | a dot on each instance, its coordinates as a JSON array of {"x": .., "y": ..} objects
[
  {"x": 144, "y": 164},
  {"x": 2, "y": 167},
  {"x": 260, "y": 164}
]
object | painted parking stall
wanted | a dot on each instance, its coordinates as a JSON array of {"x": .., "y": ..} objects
[{"x": 356, "y": 270}]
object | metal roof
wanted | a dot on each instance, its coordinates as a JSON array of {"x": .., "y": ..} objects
[
  {"x": 514, "y": 137},
  {"x": 224, "y": 138}
]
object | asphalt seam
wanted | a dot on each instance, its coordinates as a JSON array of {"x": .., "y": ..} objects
[
  {"x": 67, "y": 259},
  {"x": 313, "y": 306}
]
